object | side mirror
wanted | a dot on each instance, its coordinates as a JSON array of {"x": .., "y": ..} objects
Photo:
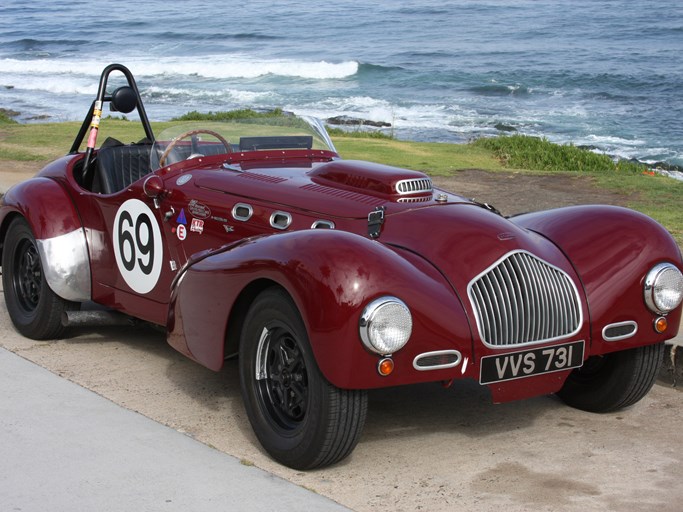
[
  {"x": 123, "y": 100},
  {"x": 153, "y": 187}
]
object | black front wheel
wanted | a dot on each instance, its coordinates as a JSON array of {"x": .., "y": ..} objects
[
  {"x": 301, "y": 419},
  {"x": 613, "y": 381},
  {"x": 35, "y": 310}
]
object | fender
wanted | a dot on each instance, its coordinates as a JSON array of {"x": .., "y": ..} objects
[
  {"x": 331, "y": 276},
  {"x": 59, "y": 235},
  {"x": 612, "y": 249}
]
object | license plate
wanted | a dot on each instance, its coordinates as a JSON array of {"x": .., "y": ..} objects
[{"x": 517, "y": 365}]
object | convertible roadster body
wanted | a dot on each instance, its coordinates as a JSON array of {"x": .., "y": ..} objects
[{"x": 330, "y": 277}]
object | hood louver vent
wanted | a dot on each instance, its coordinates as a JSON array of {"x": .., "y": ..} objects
[{"x": 414, "y": 186}]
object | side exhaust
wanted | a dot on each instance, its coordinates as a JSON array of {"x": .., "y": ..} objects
[{"x": 97, "y": 317}]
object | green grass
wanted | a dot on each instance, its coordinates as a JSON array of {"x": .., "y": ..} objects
[
  {"x": 5, "y": 117},
  {"x": 436, "y": 159},
  {"x": 230, "y": 115},
  {"x": 524, "y": 152},
  {"x": 657, "y": 196}
]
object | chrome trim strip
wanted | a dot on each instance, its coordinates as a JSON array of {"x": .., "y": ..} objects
[
  {"x": 243, "y": 218},
  {"x": 620, "y": 324},
  {"x": 414, "y": 199},
  {"x": 457, "y": 354},
  {"x": 521, "y": 300},
  {"x": 66, "y": 265},
  {"x": 278, "y": 214}
]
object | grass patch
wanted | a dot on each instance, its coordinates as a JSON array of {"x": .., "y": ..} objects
[
  {"x": 358, "y": 134},
  {"x": 524, "y": 152},
  {"x": 230, "y": 115},
  {"x": 6, "y": 116},
  {"x": 46, "y": 141},
  {"x": 436, "y": 159}
]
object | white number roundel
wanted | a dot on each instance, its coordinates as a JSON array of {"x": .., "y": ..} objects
[{"x": 137, "y": 245}]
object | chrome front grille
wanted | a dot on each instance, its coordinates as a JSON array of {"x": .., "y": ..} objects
[{"x": 523, "y": 300}]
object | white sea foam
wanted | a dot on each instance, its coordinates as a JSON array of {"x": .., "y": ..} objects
[
  {"x": 239, "y": 96},
  {"x": 208, "y": 66}
]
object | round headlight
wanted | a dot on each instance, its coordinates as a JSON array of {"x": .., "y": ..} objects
[
  {"x": 385, "y": 325},
  {"x": 663, "y": 288}
]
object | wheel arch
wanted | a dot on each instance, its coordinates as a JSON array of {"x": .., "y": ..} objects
[
  {"x": 239, "y": 310},
  {"x": 56, "y": 226},
  {"x": 612, "y": 248},
  {"x": 330, "y": 276}
]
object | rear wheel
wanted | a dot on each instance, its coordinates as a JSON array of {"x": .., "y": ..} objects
[
  {"x": 613, "y": 381},
  {"x": 301, "y": 419},
  {"x": 35, "y": 310}
]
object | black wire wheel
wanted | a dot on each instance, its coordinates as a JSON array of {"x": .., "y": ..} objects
[
  {"x": 300, "y": 419},
  {"x": 35, "y": 310},
  {"x": 613, "y": 381}
]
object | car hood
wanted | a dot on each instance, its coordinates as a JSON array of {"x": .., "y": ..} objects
[
  {"x": 340, "y": 188},
  {"x": 464, "y": 240}
]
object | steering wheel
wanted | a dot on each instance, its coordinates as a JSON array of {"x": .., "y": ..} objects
[{"x": 192, "y": 133}]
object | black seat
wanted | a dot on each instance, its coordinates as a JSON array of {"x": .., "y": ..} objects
[{"x": 120, "y": 166}]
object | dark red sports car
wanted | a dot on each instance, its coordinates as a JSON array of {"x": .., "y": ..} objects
[{"x": 330, "y": 277}]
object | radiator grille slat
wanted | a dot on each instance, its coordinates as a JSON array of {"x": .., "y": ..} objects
[{"x": 523, "y": 300}]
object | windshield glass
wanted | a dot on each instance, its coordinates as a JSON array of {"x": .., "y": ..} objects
[{"x": 192, "y": 139}]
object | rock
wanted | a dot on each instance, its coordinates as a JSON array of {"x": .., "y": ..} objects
[
  {"x": 9, "y": 113},
  {"x": 353, "y": 121},
  {"x": 504, "y": 127},
  {"x": 664, "y": 166}
]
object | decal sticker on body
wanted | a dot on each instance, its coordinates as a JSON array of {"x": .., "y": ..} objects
[{"x": 137, "y": 245}]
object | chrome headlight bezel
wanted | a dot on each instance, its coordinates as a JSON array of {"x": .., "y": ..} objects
[
  {"x": 663, "y": 279},
  {"x": 381, "y": 315}
]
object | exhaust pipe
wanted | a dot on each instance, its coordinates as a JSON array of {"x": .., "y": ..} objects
[{"x": 96, "y": 317}]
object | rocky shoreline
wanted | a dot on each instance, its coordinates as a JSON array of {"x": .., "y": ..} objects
[{"x": 664, "y": 168}]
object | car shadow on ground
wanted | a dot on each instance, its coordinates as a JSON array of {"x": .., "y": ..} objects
[{"x": 400, "y": 412}]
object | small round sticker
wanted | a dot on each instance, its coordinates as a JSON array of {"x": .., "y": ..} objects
[
  {"x": 137, "y": 245},
  {"x": 181, "y": 231},
  {"x": 183, "y": 179}
]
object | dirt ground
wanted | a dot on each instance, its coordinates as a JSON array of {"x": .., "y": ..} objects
[{"x": 424, "y": 447}]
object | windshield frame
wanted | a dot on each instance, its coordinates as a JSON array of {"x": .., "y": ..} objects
[{"x": 248, "y": 137}]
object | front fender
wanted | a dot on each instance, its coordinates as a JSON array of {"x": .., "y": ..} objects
[
  {"x": 612, "y": 249},
  {"x": 331, "y": 276},
  {"x": 59, "y": 235}
]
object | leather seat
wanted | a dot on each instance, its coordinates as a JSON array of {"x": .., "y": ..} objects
[{"x": 120, "y": 166}]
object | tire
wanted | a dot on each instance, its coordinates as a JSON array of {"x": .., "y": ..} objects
[
  {"x": 299, "y": 418},
  {"x": 613, "y": 381},
  {"x": 35, "y": 310}
]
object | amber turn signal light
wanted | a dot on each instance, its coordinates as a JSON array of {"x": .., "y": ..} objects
[
  {"x": 661, "y": 324},
  {"x": 385, "y": 366}
]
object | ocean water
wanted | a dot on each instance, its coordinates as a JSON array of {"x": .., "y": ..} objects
[{"x": 607, "y": 74}]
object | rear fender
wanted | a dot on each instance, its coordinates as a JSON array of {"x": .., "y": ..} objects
[
  {"x": 612, "y": 249},
  {"x": 59, "y": 235},
  {"x": 331, "y": 276}
]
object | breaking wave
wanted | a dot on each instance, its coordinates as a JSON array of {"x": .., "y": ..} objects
[{"x": 209, "y": 66}]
